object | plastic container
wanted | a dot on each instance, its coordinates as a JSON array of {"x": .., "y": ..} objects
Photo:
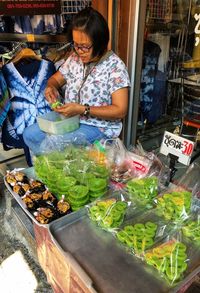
[{"x": 55, "y": 123}]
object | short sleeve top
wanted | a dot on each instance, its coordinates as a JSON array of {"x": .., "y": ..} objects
[{"x": 95, "y": 88}]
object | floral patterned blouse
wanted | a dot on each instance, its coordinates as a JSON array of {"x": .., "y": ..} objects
[{"x": 94, "y": 85}]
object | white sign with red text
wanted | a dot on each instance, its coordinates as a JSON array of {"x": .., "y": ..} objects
[{"x": 178, "y": 146}]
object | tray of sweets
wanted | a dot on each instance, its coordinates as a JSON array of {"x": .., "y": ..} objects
[
  {"x": 105, "y": 261},
  {"x": 33, "y": 196}
]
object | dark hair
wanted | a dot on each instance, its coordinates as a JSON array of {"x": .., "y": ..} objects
[{"x": 95, "y": 26}]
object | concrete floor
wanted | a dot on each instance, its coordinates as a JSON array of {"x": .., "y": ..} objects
[
  {"x": 13, "y": 159},
  {"x": 20, "y": 271}
]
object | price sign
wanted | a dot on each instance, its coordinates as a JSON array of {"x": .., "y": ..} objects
[
  {"x": 178, "y": 146},
  {"x": 29, "y": 7}
]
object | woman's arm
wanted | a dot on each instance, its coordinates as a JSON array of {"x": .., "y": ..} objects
[
  {"x": 55, "y": 82},
  {"x": 117, "y": 110}
]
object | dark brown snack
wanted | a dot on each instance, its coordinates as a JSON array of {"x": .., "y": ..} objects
[
  {"x": 46, "y": 212},
  {"x": 10, "y": 178},
  {"x": 36, "y": 186},
  {"x": 26, "y": 187},
  {"x": 41, "y": 218},
  {"x": 19, "y": 190},
  {"x": 35, "y": 183},
  {"x": 28, "y": 202},
  {"x": 20, "y": 177},
  {"x": 63, "y": 207},
  {"x": 35, "y": 196},
  {"x": 48, "y": 196}
]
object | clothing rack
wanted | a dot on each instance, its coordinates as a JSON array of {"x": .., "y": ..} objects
[
  {"x": 68, "y": 8},
  {"x": 72, "y": 7},
  {"x": 9, "y": 37}
]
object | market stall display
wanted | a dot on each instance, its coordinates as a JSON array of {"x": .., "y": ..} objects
[
  {"x": 174, "y": 205},
  {"x": 139, "y": 236},
  {"x": 191, "y": 229},
  {"x": 110, "y": 268},
  {"x": 127, "y": 164},
  {"x": 143, "y": 191},
  {"x": 108, "y": 213},
  {"x": 74, "y": 174},
  {"x": 135, "y": 219},
  {"x": 37, "y": 201},
  {"x": 170, "y": 259},
  {"x": 146, "y": 235},
  {"x": 142, "y": 231}
]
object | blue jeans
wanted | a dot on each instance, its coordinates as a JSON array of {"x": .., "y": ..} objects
[{"x": 39, "y": 141}]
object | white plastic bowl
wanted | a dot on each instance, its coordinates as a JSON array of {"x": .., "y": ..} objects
[{"x": 55, "y": 123}]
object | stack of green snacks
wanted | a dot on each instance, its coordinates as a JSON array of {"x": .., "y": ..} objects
[
  {"x": 143, "y": 191},
  {"x": 191, "y": 229},
  {"x": 97, "y": 187},
  {"x": 74, "y": 174},
  {"x": 63, "y": 184},
  {"x": 78, "y": 196},
  {"x": 174, "y": 206},
  {"x": 138, "y": 237},
  {"x": 108, "y": 213},
  {"x": 169, "y": 259}
]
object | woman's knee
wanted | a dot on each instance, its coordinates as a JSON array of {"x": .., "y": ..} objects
[{"x": 33, "y": 133}]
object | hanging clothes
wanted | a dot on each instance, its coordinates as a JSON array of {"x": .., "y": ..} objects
[
  {"x": 38, "y": 24},
  {"x": 26, "y": 82},
  {"x": 4, "y": 99},
  {"x": 149, "y": 71}
]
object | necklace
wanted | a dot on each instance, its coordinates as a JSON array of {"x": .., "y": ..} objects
[
  {"x": 89, "y": 69},
  {"x": 87, "y": 73}
]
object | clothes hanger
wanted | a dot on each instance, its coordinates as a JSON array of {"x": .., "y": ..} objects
[
  {"x": 25, "y": 53},
  {"x": 7, "y": 56}
]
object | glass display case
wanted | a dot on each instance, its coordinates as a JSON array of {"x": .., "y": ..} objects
[{"x": 169, "y": 32}]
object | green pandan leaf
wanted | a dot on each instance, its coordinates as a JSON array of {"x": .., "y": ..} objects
[{"x": 56, "y": 104}]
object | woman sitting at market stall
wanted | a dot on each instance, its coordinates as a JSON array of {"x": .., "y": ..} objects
[{"x": 96, "y": 84}]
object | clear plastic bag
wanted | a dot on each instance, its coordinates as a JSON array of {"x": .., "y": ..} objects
[
  {"x": 109, "y": 212},
  {"x": 178, "y": 201},
  {"x": 134, "y": 162},
  {"x": 143, "y": 191},
  {"x": 141, "y": 232},
  {"x": 174, "y": 204},
  {"x": 116, "y": 159},
  {"x": 191, "y": 229},
  {"x": 156, "y": 167},
  {"x": 72, "y": 172},
  {"x": 170, "y": 257},
  {"x": 59, "y": 143},
  {"x": 190, "y": 181}
]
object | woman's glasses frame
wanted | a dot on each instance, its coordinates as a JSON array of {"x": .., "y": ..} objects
[{"x": 84, "y": 49}]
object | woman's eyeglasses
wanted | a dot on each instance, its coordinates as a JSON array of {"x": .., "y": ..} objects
[{"x": 83, "y": 48}]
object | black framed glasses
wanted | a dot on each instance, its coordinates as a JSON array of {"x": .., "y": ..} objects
[{"x": 84, "y": 49}]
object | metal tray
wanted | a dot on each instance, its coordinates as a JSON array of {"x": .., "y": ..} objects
[
  {"x": 30, "y": 173},
  {"x": 111, "y": 269}
]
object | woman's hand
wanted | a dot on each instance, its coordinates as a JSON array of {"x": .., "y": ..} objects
[
  {"x": 51, "y": 94},
  {"x": 70, "y": 109},
  {"x": 54, "y": 83}
]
